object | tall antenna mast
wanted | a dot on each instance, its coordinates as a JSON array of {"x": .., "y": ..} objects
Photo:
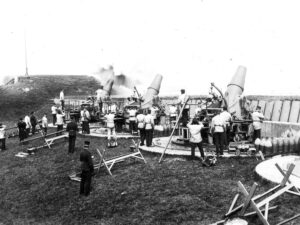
[{"x": 26, "y": 69}]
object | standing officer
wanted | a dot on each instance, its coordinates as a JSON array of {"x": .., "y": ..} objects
[
  {"x": 218, "y": 128},
  {"x": 72, "y": 128},
  {"x": 87, "y": 170}
]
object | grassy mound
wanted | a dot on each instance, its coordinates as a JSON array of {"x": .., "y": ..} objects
[
  {"x": 36, "y": 93},
  {"x": 36, "y": 189}
]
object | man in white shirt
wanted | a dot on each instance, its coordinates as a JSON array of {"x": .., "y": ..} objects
[
  {"x": 196, "y": 139},
  {"x": 85, "y": 118},
  {"x": 62, "y": 99},
  {"x": 110, "y": 124},
  {"x": 60, "y": 122},
  {"x": 149, "y": 125},
  {"x": 185, "y": 113},
  {"x": 257, "y": 118},
  {"x": 54, "y": 112},
  {"x": 141, "y": 126},
  {"x": 173, "y": 112},
  {"x": 2, "y": 136},
  {"x": 132, "y": 120},
  {"x": 154, "y": 111},
  {"x": 218, "y": 128},
  {"x": 226, "y": 116},
  {"x": 45, "y": 124},
  {"x": 28, "y": 125}
]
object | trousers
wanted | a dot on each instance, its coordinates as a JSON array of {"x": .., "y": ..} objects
[
  {"x": 142, "y": 135},
  {"x": 149, "y": 137},
  {"x": 85, "y": 183},
  {"x": 219, "y": 142},
  {"x": 72, "y": 140},
  {"x": 193, "y": 147}
]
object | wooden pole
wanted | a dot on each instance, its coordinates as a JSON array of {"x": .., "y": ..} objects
[{"x": 162, "y": 155}]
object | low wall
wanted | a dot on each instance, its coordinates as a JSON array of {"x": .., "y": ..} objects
[{"x": 277, "y": 129}]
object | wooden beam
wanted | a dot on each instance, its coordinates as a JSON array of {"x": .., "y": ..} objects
[
  {"x": 233, "y": 203},
  {"x": 287, "y": 175},
  {"x": 275, "y": 195},
  {"x": 248, "y": 198},
  {"x": 288, "y": 220},
  {"x": 252, "y": 203}
]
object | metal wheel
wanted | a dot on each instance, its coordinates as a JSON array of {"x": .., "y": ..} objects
[{"x": 238, "y": 152}]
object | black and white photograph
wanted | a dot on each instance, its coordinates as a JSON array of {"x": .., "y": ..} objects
[{"x": 150, "y": 112}]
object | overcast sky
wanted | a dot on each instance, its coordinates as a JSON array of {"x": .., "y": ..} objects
[{"x": 191, "y": 43}]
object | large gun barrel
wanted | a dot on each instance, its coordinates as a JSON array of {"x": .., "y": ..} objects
[
  {"x": 153, "y": 90},
  {"x": 234, "y": 90}
]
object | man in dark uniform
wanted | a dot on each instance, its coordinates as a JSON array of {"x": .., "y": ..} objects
[
  {"x": 87, "y": 170},
  {"x": 72, "y": 128},
  {"x": 22, "y": 129},
  {"x": 33, "y": 121}
]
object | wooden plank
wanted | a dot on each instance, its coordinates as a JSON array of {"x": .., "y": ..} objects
[
  {"x": 248, "y": 198},
  {"x": 233, "y": 203},
  {"x": 269, "y": 110},
  {"x": 276, "y": 111},
  {"x": 262, "y": 104},
  {"x": 294, "y": 114},
  {"x": 288, "y": 220},
  {"x": 285, "y": 112},
  {"x": 253, "y": 205},
  {"x": 267, "y": 210},
  {"x": 287, "y": 175},
  {"x": 275, "y": 195},
  {"x": 281, "y": 171}
]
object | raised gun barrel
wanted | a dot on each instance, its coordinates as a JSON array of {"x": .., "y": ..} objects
[
  {"x": 152, "y": 91},
  {"x": 234, "y": 91}
]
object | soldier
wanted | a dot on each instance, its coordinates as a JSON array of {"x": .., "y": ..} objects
[
  {"x": 45, "y": 124},
  {"x": 22, "y": 129},
  {"x": 62, "y": 99},
  {"x": 33, "y": 121},
  {"x": 173, "y": 112},
  {"x": 195, "y": 140},
  {"x": 2, "y": 136},
  {"x": 85, "y": 118},
  {"x": 28, "y": 125},
  {"x": 60, "y": 122},
  {"x": 226, "y": 116},
  {"x": 141, "y": 126},
  {"x": 72, "y": 128},
  {"x": 218, "y": 128},
  {"x": 257, "y": 118},
  {"x": 185, "y": 112},
  {"x": 87, "y": 170},
  {"x": 149, "y": 125},
  {"x": 132, "y": 120},
  {"x": 54, "y": 112},
  {"x": 110, "y": 123}
]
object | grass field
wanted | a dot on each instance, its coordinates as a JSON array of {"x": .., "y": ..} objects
[{"x": 37, "y": 190}]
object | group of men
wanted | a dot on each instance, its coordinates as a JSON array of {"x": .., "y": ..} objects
[{"x": 29, "y": 124}]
